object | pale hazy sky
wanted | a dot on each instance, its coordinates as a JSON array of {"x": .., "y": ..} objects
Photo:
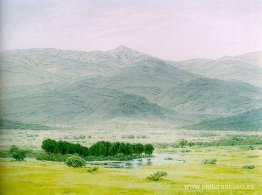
[{"x": 169, "y": 29}]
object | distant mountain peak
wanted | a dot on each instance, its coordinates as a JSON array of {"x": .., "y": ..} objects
[
  {"x": 126, "y": 55},
  {"x": 122, "y": 47}
]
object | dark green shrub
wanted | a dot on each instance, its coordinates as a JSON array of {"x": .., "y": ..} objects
[
  {"x": 248, "y": 166},
  {"x": 4, "y": 154},
  {"x": 182, "y": 143},
  {"x": 252, "y": 156},
  {"x": 210, "y": 161},
  {"x": 138, "y": 148},
  {"x": 249, "y": 148},
  {"x": 49, "y": 145},
  {"x": 120, "y": 156},
  {"x": 75, "y": 161},
  {"x": 13, "y": 149},
  {"x": 19, "y": 155},
  {"x": 130, "y": 136},
  {"x": 148, "y": 149},
  {"x": 52, "y": 157},
  {"x": 157, "y": 176},
  {"x": 92, "y": 169},
  {"x": 185, "y": 151},
  {"x": 190, "y": 144}
]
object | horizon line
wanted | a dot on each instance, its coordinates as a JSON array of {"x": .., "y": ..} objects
[{"x": 87, "y": 51}]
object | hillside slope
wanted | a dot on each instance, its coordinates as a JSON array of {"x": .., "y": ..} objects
[
  {"x": 211, "y": 97},
  {"x": 57, "y": 87},
  {"x": 246, "y": 68},
  {"x": 250, "y": 120}
]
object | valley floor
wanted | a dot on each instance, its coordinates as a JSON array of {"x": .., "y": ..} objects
[
  {"x": 32, "y": 139},
  {"x": 192, "y": 177}
]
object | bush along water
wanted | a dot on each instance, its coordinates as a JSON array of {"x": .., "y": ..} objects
[
  {"x": 99, "y": 149},
  {"x": 75, "y": 161}
]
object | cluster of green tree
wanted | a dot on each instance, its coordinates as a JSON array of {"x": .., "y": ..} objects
[
  {"x": 63, "y": 147},
  {"x": 101, "y": 148},
  {"x": 17, "y": 153},
  {"x": 231, "y": 141},
  {"x": 52, "y": 157}
]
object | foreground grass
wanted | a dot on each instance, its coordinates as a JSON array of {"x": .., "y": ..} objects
[{"x": 36, "y": 177}]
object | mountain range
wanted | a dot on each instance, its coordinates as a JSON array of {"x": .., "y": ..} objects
[
  {"x": 246, "y": 68},
  {"x": 53, "y": 87}
]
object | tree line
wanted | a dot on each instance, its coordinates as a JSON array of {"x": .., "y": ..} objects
[{"x": 101, "y": 148}]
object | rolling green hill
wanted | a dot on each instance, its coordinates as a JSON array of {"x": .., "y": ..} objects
[
  {"x": 211, "y": 97},
  {"x": 250, "y": 120}
]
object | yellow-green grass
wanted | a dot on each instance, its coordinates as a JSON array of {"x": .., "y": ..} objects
[{"x": 35, "y": 177}]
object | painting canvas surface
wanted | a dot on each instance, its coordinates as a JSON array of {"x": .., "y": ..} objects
[{"x": 130, "y": 97}]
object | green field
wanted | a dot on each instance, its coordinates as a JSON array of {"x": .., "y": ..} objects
[{"x": 39, "y": 177}]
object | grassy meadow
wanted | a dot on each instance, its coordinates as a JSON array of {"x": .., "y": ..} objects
[{"x": 191, "y": 177}]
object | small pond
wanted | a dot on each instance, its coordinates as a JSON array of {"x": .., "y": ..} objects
[{"x": 156, "y": 159}]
